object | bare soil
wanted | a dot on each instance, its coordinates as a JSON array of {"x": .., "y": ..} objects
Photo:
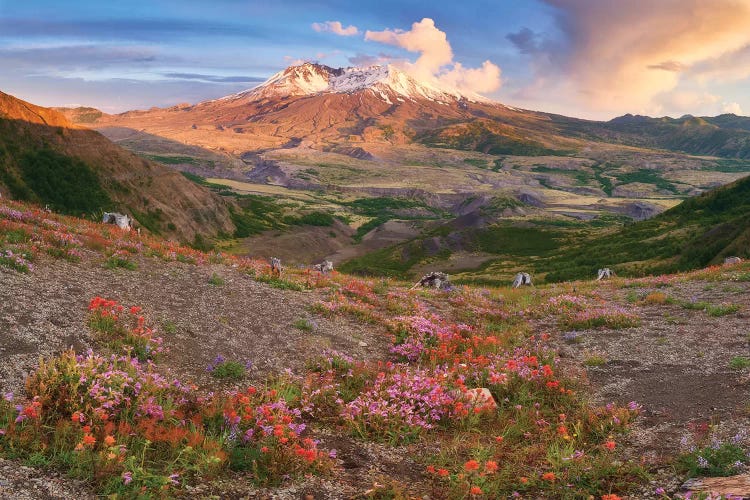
[
  {"x": 675, "y": 364},
  {"x": 44, "y": 312}
]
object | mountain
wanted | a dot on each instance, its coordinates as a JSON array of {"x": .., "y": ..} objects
[
  {"x": 46, "y": 159},
  {"x": 387, "y": 82},
  {"x": 725, "y": 135},
  {"x": 320, "y": 104}
]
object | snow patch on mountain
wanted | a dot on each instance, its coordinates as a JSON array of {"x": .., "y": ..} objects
[{"x": 386, "y": 82}]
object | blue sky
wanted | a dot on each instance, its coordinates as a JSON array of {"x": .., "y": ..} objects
[{"x": 548, "y": 54}]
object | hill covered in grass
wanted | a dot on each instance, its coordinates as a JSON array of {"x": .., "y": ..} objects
[
  {"x": 700, "y": 231},
  {"x": 725, "y": 135},
  {"x": 47, "y": 160}
]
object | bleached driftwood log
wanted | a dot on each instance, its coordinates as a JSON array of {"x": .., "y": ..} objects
[
  {"x": 324, "y": 267},
  {"x": 522, "y": 279},
  {"x": 729, "y": 487},
  {"x": 120, "y": 220},
  {"x": 435, "y": 279},
  {"x": 276, "y": 267},
  {"x": 604, "y": 274}
]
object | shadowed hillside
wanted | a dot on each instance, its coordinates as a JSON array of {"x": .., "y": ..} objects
[{"x": 46, "y": 159}]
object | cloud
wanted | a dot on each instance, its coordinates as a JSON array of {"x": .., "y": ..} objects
[
  {"x": 77, "y": 57},
  {"x": 336, "y": 28},
  {"x": 732, "y": 107},
  {"x": 728, "y": 67},
  {"x": 481, "y": 80},
  {"x": 526, "y": 41},
  {"x": 363, "y": 60},
  {"x": 214, "y": 78},
  {"x": 607, "y": 55},
  {"x": 113, "y": 95},
  {"x": 669, "y": 66},
  {"x": 435, "y": 62},
  {"x": 424, "y": 38},
  {"x": 685, "y": 102},
  {"x": 138, "y": 29}
]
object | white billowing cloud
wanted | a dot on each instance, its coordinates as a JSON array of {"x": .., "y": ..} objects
[
  {"x": 621, "y": 56},
  {"x": 732, "y": 107},
  {"x": 728, "y": 67},
  {"x": 685, "y": 102},
  {"x": 424, "y": 38},
  {"x": 480, "y": 80},
  {"x": 336, "y": 28},
  {"x": 435, "y": 62}
]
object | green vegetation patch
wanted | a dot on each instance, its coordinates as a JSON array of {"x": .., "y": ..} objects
[
  {"x": 150, "y": 219},
  {"x": 392, "y": 261},
  {"x": 521, "y": 241},
  {"x": 476, "y": 136},
  {"x": 383, "y": 209},
  {"x": 581, "y": 176},
  {"x": 311, "y": 219},
  {"x": 646, "y": 176},
  {"x": 66, "y": 184}
]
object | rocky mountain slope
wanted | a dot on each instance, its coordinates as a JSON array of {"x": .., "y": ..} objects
[{"x": 47, "y": 159}]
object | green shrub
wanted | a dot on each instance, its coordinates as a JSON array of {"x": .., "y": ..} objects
[
  {"x": 739, "y": 363},
  {"x": 595, "y": 360},
  {"x": 722, "y": 460},
  {"x": 311, "y": 219},
  {"x": 722, "y": 309},
  {"x": 279, "y": 283},
  {"x": 229, "y": 370},
  {"x": 304, "y": 325},
  {"x": 216, "y": 280},
  {"x": 116, "y": 261}
]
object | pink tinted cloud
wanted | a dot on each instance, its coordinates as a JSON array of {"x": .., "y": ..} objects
[
  {"x": 624, "y": 56},
  {"x": 435, "y": 62},
  {"x": 336, "y": 28}
]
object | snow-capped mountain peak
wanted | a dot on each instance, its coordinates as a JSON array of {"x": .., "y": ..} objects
[{"x": 386, "y": 82}]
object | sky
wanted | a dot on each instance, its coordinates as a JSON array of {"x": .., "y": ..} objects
[{"x": 593, "y": 59}]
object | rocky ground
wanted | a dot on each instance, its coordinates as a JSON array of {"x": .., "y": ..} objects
[
  {"x": 676, "y": 364},
  {"x": 44, "y": 312}
]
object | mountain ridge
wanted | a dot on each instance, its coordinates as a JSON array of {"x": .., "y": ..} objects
[{"x": 322, "y": 104}]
